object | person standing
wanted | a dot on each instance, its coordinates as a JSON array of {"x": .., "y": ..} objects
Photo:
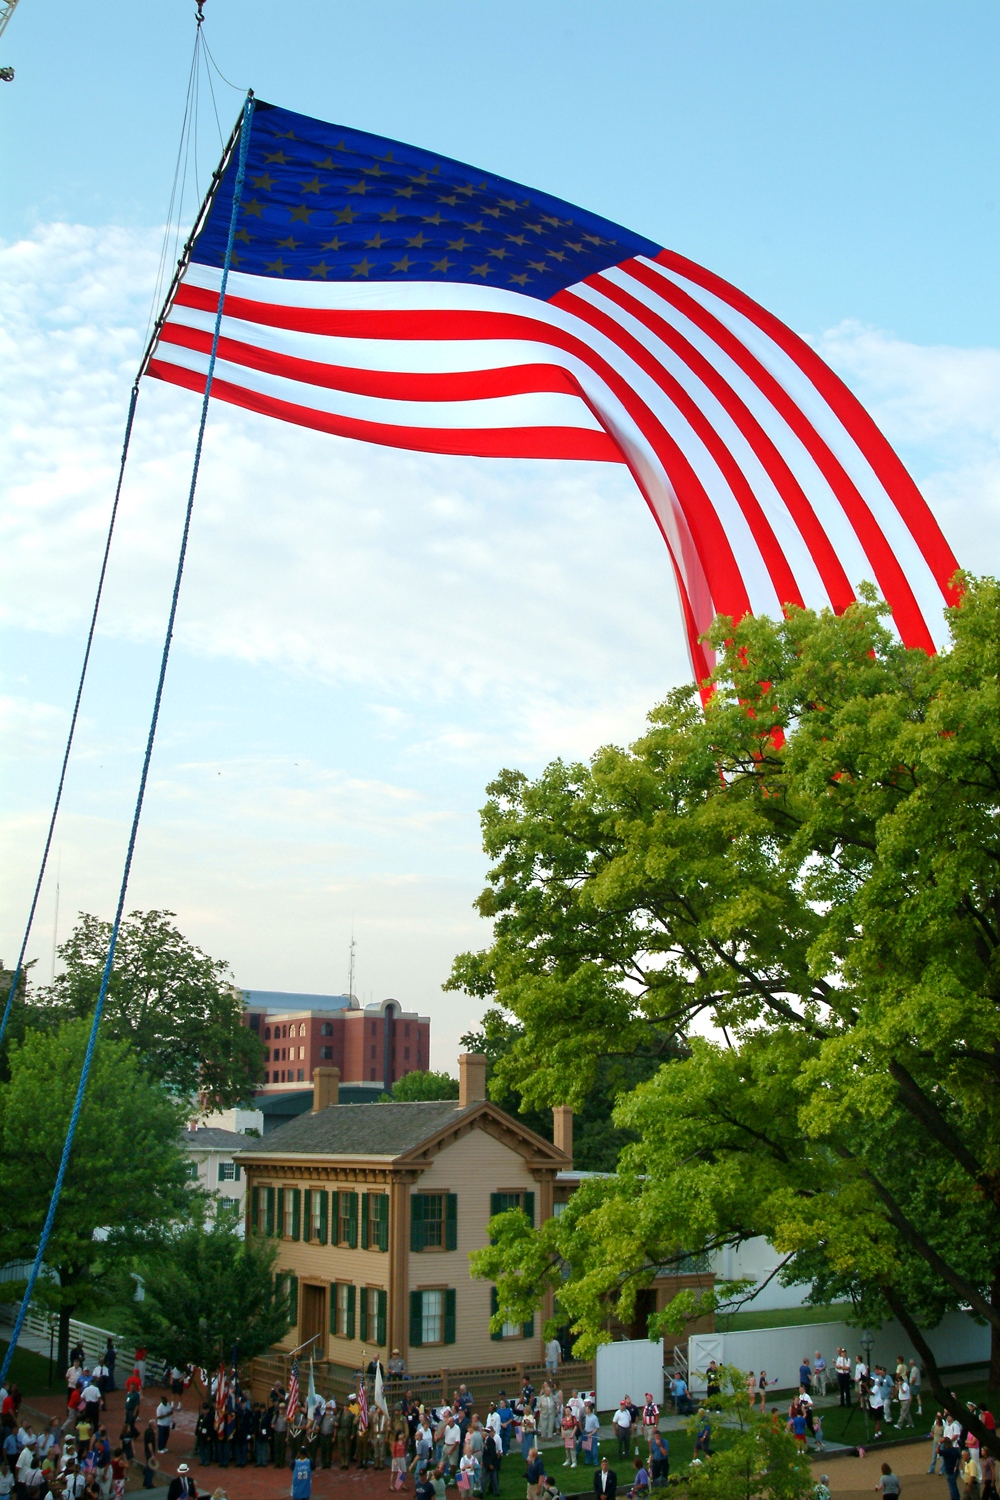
[
  {"x": 876, "y": 1400},
  {"x": 761, "y": 1391},
  {"x": 280, "y": 1430},
  {"x": 888, "y": 1483},
  {"x": 183, "y": 1486},
  {"x": 650, "y": 1420},
  {"x": 203, "y": 1435},
  {"x": 591, "y": 1434},
  {"x": 842, "y": 1366},
  {"x": 659, "y": 1459},
  {"x": 905, "y": 1396},
  {"x": 570, "y": 1431},
  {"x": 971, "y": 1473},
  {"x": 553, "y": 1356},
  {"x": 302, "y": 1478},
  {"x": 819, "y": 1374},
  {"x": 605, "y": 1482},
  {"x": 491, "y": 1463},
  {"x": 534, "y": 1474},
  {"x": 950, "y": 1459},
  {"x": 915, "y": 1378},
  {"x": 622, "y": 1423},
  {"x": 109, "y": 1361},
  {"x": 937, "y": 1433},
  {"x": 164, "y": 1422}
]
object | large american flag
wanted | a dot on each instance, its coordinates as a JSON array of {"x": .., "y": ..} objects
[
  {"x": 384, "y": 293},
  {"x": 292, "y": 1399}
]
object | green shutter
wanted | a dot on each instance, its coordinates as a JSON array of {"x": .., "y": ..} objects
[
  {"x": 323, "y": 1199},
  {"x": 296, "y": 1213},
  {"x": 449, "y": 1315},
  {"x": 451, "y": 1222},
  {"x": 364, "y": 1225},
  {"x": 221, "y": 1178},
  {"x": 416, "y": 1319},
  {"x": 417, "y": 1241},
  {"x": 269, "y": 1211},
  {"x": 293, "y": 1299},
  {"x": 306, "y": 1213},
  {"x": 255, "y": 1209},
  {"x": 383, "y": 1221},
  {"x": 363, "y": 1319},
  {"x": 237, "y": 1165},
  {"x": 350, "y": 1311},
  {"x": 528, "y": 1329},
  {"x": 381, "y": 1302},
  {"x": 352, "y": 1220},
  {"x": 496, "y": 1204},
  {"x": 333, "y": 1307},
  {"x": 494, "y": 1306},
  {"x": 279, "y": 1215},
  {"x": 529, "y": 1207}
]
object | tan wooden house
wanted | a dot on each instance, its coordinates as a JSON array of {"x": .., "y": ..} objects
[{"x": 377, "y": 1206}]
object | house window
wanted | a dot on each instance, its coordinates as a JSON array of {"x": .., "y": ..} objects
[
  {"x": 326, "y": 1053},
  {"x": 501, "y": 1202},
  {"x": 229, "y": 1203},
  {"x": 433, "y": 1220},
  {"x": 373, "y": 1304},
  {"x": 191, "y": 1170},
  {"x": 289, "y": 1212},
  {"x": 432, "y": 1317},
  {"x": 347, "y": 1219},
  {"x": 375, "y": 1231},
  {"x": 343, "y": 1325},
  {"x": 316, "y": 1225},
  {"x": 227, "y": 1171}
]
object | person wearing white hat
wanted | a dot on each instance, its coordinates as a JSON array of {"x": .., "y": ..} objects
[{"x": 182, "y": 1488}]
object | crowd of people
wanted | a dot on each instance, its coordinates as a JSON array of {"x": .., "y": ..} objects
[{"x": 70, "y": 1459}]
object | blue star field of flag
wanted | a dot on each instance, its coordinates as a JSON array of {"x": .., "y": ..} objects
[{"x": 324, "y": 203}]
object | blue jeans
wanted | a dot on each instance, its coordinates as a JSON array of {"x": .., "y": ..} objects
[{"x": 952, "y": 1482}]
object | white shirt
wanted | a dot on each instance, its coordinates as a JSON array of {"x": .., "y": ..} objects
[
  {"x": 99, "y": 1371},
  {"x": 843, "y": 1364},
  {"x": 493, "y": 1423},
  {"x": 452, "y": 1434},
  {"x": 25, "y": 1461},
  {"x": 904, "y": 1391},
  {"x": 875, "y": 1400},
  {"x": 604, "y": 1475},
  {"x": 952, "y": 1429},
  {"x": 622, "y": 1418},
  {"x": 164, "y": 1412},
  {"x": 91, "y": 1392},
  {"x": 860, "y": 1370}
]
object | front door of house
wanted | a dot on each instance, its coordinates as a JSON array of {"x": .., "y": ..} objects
[{"x": 314, "y": 1319}]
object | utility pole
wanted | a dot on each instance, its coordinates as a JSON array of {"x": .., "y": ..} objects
[{"x": 350, "y": 969}]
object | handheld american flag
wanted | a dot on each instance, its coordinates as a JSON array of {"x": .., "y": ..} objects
[
  {"x": 383, "y": 293},
  {"x": 292, "y": 1402}
]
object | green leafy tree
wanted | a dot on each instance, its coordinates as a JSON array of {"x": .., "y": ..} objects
[
  {"x": 177, "y": 1007},
  {"x": 808, "y": 868},
  {"x": 757, "y": 1459},
  {"x": 209, "y": 1291},
  {"x": 126, "y": 1181},
  {"x": 419, "y": 1085}
]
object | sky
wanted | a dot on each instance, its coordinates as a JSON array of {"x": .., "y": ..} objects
[{"x": 366, "y": 636}]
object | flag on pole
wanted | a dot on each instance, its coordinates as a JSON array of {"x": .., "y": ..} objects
[
  {"x": 221, "y": 1395},
  {"x": 293, "y": 1391},
  {"x": 362, "y": 1403},
  {"x": 385, "y": 293},
  {"x": 379, "y": 1392},
  {"x": 312, "y": 1385}
]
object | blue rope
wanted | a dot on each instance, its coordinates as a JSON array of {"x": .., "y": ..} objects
[
  {"x": 72, "y": 723},
  {"x": 109, "y": 961}
]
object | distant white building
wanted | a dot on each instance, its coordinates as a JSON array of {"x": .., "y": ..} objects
[
  {"x": 213, "y": 1165},
  {"x": 757, "y": 1260}
]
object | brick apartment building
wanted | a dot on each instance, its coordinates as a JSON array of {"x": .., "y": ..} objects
[{"x": 371, "y": 1046}]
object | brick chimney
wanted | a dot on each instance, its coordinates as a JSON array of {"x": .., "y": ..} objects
[
  {"x": 326, "y": 1087},
  {"x": 562, "y": 1129},
  {"x": 471, "y": 1078}
]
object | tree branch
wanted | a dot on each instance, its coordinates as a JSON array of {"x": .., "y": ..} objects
[{"x": 916, "y": 1102}]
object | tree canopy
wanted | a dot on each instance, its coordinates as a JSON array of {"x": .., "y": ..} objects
[
  {"x": 209, "y": 1291},
  {"x": 420, "y": 1085},
  {"x": 176, "y": 1006},
  {"x": 791, "y": 897},
  {"x": 126, "y": 1180}
]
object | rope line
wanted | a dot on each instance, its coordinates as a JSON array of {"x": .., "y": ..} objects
[
  {"x": 140, "y": 797},
  {"x": 73, "y": 719}
]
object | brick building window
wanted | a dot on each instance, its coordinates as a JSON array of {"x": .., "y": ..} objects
[
  {"x": 301, "y": 1076},
  {"x": 326, "y": 1054},
  {"x": 302, "y": 1029},
  {"x": 326, "y": 1029},
  {"x": 267, "y": 1033},
  {"x": 267, "y": 1054},
  {"x": 267, "y": 1077}
]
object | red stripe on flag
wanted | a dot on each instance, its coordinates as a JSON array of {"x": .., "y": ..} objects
[
  {"x": 821, "y": 549},
  {"x": 885, "y": 565},
  {"x": 888, "y": 466},
  {"x": 471, "y": 442}
]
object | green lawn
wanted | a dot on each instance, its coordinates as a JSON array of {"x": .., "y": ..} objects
[
  {"x": 512, "y": 1469},
  {"x": 840, "y": 1427},
  {"x": 30, "y": 1370},
  {"x": 782, "y": 1317}
]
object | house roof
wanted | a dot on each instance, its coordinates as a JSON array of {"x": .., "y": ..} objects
[
  {"x": 208, "y": 1138},
  {"x": 394, "y": 1131}
]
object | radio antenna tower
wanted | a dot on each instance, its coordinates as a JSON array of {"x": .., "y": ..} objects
[{"x": 350, "y": 969}]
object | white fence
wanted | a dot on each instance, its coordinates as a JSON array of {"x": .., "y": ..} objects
[
  {"x": 45, "y": 1325},
  {"x": 957, "y": 1340},
  {"x": 629, "y": 1366}
]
